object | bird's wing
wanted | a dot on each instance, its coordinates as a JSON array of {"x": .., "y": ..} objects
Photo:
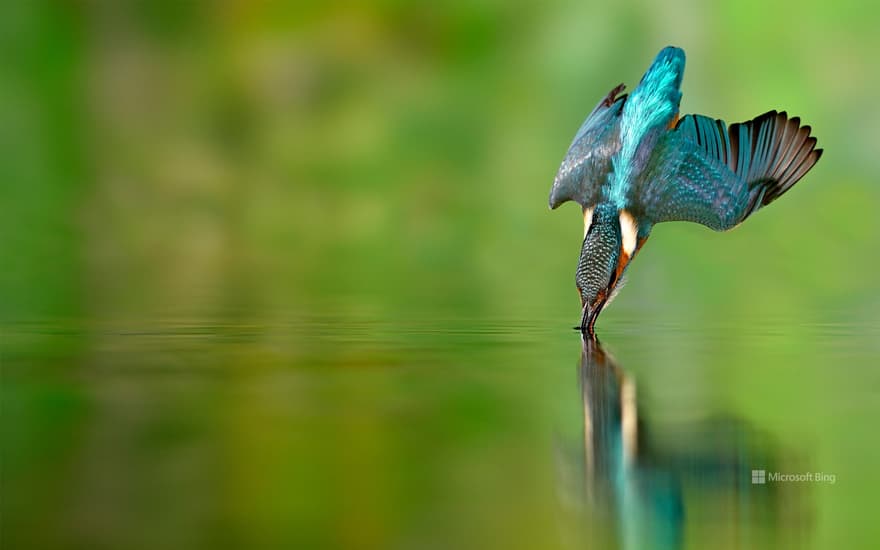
[
  {"x": 588, "y": 160},
  {"x": 706, "y": 172}
]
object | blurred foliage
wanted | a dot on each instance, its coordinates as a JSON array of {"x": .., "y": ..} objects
[
  {"x": 397, "y": 156},
  {"x": 258, "y": 162}
]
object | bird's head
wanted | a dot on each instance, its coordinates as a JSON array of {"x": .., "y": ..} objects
[{"x": 609, "y": 244}]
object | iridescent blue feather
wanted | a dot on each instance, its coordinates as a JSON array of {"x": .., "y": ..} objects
[{"x": 651, "y": 108}]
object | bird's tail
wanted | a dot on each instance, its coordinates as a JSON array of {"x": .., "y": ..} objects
[{"x": 771, "y": 152}]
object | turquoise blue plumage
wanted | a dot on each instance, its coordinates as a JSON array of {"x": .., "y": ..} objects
[{"x": 634, "y": 163}]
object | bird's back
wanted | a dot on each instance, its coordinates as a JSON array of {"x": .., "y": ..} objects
[
  {"x": 647, "y": 115},
  {"x": 612, "y": 143}
]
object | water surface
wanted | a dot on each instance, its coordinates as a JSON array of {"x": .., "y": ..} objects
[{"x": 350, "y": 432}]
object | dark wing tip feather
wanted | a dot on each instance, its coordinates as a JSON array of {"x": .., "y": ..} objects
[
  {"x": 612, "y": 95},
  {"x": 798, "y": 154}
]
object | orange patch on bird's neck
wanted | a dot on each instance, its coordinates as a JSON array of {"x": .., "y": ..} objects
[{"x": 622, "y": 262}]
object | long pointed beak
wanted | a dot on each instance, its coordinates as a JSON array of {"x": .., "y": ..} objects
[{"x": 588, "y": 319}]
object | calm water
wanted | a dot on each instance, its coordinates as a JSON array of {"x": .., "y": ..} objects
[{"x": 354, "y": 432}]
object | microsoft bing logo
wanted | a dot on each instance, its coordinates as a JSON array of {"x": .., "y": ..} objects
[{"x": 761, "y": 477}]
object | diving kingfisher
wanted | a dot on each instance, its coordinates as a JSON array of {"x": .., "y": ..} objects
[{"x": 634, "y": 163}]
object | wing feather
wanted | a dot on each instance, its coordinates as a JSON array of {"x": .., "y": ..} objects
[
  {"x": 588, "y": 160},
  {"x": 682, "y": 183},
  {"x": 708, "y": 173}
]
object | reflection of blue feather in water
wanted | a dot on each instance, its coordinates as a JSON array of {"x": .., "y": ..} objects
[
  {"x": 647, "y": 502},
  {"x": 635, "y": 484}
]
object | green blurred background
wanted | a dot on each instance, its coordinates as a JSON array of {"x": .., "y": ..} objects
[
  {"x": 398, "y": 155},
  {"x": 191, "y": 188}
]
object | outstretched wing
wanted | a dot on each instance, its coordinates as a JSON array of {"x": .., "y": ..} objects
[
  {"x": 588, "y": 159},
  {"x": 717, "y": 176}
]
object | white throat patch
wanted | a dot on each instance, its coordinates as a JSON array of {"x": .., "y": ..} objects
[
  {"x": 629, "y": 231},
  {"x": 588, "y": 219}
]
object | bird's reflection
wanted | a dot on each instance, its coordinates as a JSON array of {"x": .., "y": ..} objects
[
  {"x": 618, "y": 482},
  {"x": 641, "y": 487}
]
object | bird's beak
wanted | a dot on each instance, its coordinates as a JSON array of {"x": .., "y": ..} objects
[{"x": 588, "y": 318}]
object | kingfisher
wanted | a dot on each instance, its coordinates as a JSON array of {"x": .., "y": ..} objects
[{"x": 635, "y": 162}]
